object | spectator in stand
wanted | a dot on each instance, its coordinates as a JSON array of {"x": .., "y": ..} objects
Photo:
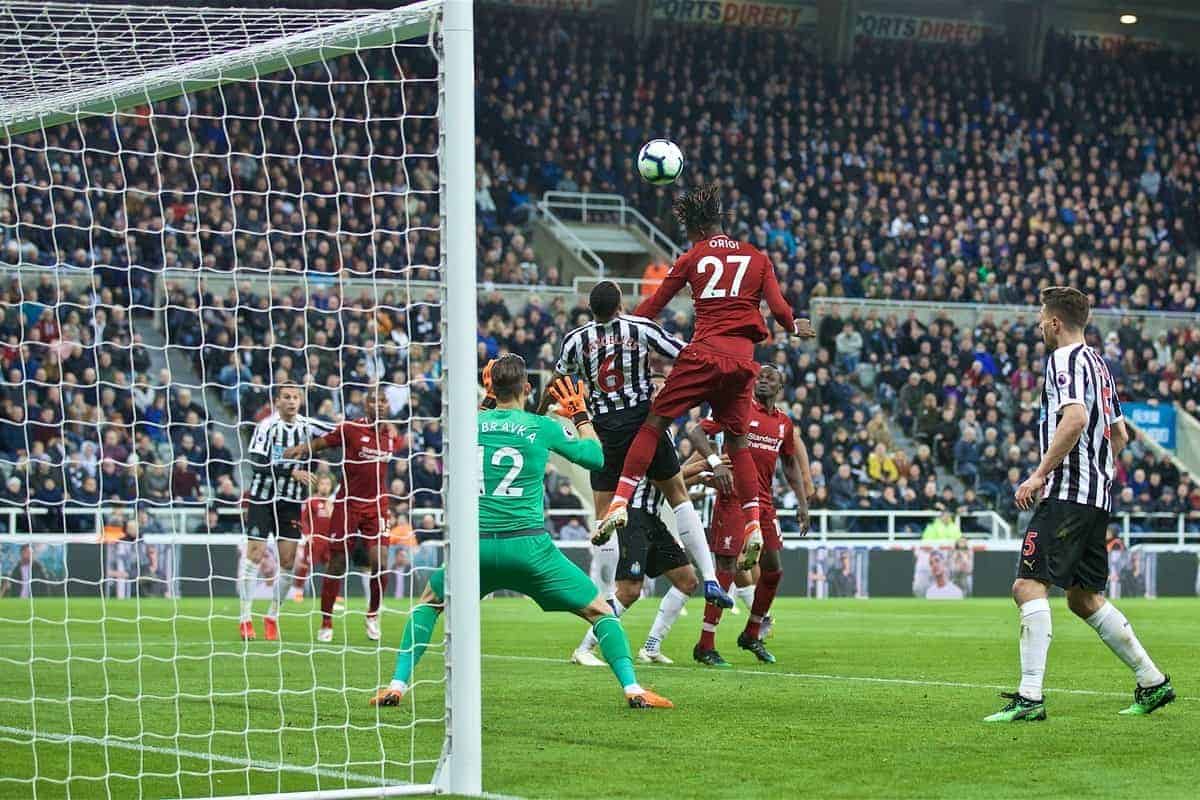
[{"x": 967, "y": 457}]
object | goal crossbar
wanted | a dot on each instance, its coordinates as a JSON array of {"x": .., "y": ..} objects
[{"x": 377, "y": 29}]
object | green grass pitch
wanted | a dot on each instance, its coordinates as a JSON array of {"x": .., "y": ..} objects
[{"x": 874, "y": 699}]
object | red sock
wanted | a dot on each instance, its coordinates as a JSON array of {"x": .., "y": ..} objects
[
  {"x": 637, "y": 460},
  {"x": 745, "y": 482},
  {"x": 764, "y": 595},
  {"x": 378, "y": 584},
  {"x": 331, "y": 587},
  {"x": 712, "y": 614},
  {"x": 301, "y": 575}
]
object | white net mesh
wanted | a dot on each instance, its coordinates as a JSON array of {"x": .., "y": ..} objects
[{"x": 166, "y": 266}]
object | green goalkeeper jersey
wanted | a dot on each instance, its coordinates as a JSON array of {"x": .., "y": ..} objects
[{"x": 513, "y": 449}]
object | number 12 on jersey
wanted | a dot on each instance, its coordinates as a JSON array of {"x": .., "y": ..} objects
[
  {"x": 504, "y": 488},
  {"x": 713, "y": 289}
]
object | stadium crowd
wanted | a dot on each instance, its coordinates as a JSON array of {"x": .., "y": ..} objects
[{"x": 911, "y": 174}]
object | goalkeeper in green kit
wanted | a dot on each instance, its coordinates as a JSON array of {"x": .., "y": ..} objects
[{"x": 515, "y": 551}]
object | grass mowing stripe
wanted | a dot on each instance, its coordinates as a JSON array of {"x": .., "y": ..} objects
[{"x": 215, "y": 758}]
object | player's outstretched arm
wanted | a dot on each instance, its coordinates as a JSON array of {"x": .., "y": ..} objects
[
  {"x": 572, "y": 404},
  {"x": 305, "y": 450},
  {"x": 722, "y": 474},
  {"x": 793, "y": 473}
]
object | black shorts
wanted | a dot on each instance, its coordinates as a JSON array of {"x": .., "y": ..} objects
[
  {"x": 646, "y": 548},
  {"x": 280, "y": 518},
  {"x": 1064, "y": 545},
  {"x": 616, "y": 431}
]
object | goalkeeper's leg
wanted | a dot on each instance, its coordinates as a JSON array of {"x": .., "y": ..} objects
[{"x": 417, "y": 633}]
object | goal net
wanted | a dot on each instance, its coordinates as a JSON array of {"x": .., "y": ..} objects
[{"x": 197, "y": 207}]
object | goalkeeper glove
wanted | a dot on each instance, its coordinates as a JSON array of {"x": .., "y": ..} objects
[
  {"x": 489, "y": 396},
  {"x": 569, "y": 395}
]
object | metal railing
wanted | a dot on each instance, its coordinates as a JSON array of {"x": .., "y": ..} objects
[
  {"x": 606, "y": 209},
  {"x": 569, "y": 240}
]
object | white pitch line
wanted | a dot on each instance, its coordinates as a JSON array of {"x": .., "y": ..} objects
[
  {"x": 811, "y": 676},
  {"x": 817, "y": 676},
  {"x": 215, "y": 758}
]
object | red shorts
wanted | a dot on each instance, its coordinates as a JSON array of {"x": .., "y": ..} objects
[
  {"x": 727, "y": 531},
  {"x": 353, "y": 522},
  {"x": 703, "y": 375}
]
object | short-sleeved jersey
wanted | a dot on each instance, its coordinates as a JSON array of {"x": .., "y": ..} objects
[
  {"x": 729, "y": 280},
  {"x": 769, "y": 433},
  {"x": 614, "y": 358},
  {"x": 367, "y": 447},
  {"x": 513, "y": 449},
  {"x": 272, "y": 478},
  {"x": 315, "y": 516},
  {"x": 1077, "y": 374}
]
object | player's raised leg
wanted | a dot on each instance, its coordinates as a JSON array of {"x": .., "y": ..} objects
[
  {"x": 417, "y": 633},
  {"x": 693, "y": 537}
]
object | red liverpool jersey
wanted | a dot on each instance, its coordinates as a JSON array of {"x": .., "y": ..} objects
[
  {"x": 729, "y": 280},
  {"x": 315, "y": 516},
  {"x": 367, "y": 447},
  {"x": 769, "y": 432}
]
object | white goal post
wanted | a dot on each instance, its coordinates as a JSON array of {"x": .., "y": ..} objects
[{"x": 77, "y": 68}]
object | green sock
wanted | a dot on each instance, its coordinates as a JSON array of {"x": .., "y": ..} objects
[
  {"x": 615, "y": 648},
  {"x": 417, "y": 633}
]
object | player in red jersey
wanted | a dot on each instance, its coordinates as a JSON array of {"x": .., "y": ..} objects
[
  {"x": 772, "y": 438},
  {"x": 359, "y": 508},
  {"x": 729, "y": 280},
  {"x": 315, "y": 517}
]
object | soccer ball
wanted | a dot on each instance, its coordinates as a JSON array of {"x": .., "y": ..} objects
[{"x": 660, "y": 161}]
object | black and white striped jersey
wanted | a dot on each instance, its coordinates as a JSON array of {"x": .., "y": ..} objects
[
  {"x": 272, "y": 478},
  {"x": 1077, "y": 374},
  {"x": 646, "y": 497},
  {"x": 613, "y": 358}
]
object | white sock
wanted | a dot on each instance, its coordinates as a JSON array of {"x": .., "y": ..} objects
[
  {"x": 1116, "y": 632},
  {"x": 247, "y": 575},
  {"x": 695, "y": 543},
  {"x": 634, "y": 688},
  {"x": 589, "y": 639},
  {"x": 1035, "y": 644},
  {"x": 283, "y": 586},
  {"x": 399, "y": 686},
  {"x": 668, "y": 611},
  {"x": 746, "y": 595}
]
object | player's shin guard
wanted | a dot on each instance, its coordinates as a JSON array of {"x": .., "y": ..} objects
[
  {"x": 615, "y": 648},
  {"x": 247, "y": 575},
  {"x": 712, "y": 615},
  {"x": 1035, "y": 644},
  {"x": 637, "y": 460},
  {"x": 764, "y": 596},
  {"x": 283, "y": 585},
  {"x": 695, "y": 543},
  {"x": 417, "y": 633},
  {"x": 379, "y": 584},
  {"x": 1116, "y": 632},
  {"x": 589, "y": 639},
  {"x": 745, "y": 482},
  {"x": 331, "y": 587},
  {"x": 668, "y": 611}
]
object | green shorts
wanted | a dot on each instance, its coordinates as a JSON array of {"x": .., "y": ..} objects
[{"x": 529, "y": 564}]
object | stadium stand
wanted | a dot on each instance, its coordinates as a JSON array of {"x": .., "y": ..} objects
[{"x": 912, "y": 174}]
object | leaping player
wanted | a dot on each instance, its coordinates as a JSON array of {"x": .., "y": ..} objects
[
  {"x": 612, "y": 354},
  {"x": 729, "y": 279},
  {"x": 772, "y": 439}
]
